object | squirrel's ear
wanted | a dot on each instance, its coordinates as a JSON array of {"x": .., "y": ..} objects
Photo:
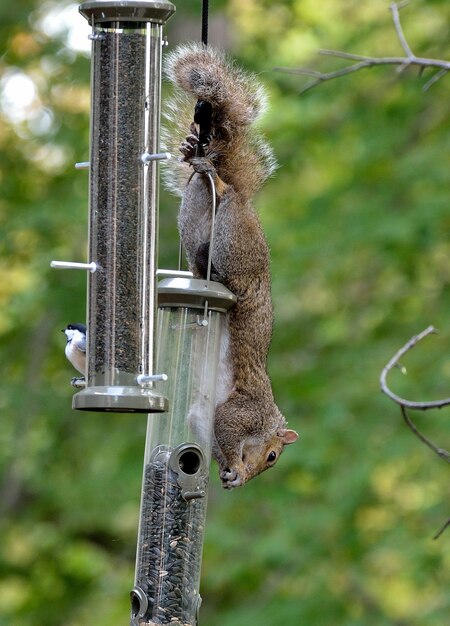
[{"x": 287, "y": 436}]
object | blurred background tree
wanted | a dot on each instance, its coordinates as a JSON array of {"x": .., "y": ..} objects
[{"x": 358, "y": 223}]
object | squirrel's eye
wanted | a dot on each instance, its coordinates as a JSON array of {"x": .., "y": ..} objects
[{"x": 272, "y": 456}]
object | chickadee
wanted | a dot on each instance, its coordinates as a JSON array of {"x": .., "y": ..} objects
[{"x": 76, "y": 346}]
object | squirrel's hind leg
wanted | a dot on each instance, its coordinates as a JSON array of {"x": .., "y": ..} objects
[
  {"x": 202, "y": 260},
  {"x": 194, "y": 220}
]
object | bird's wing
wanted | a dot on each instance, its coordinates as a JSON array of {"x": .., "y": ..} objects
[{"x": 80, "y": 342}]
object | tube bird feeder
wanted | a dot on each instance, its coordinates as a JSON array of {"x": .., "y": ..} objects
[
  {"x": 191, "y": 321},
  {"x": 125, "y": 113}
]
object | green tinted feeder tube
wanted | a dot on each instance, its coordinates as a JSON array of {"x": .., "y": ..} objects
[
  {"x": 123, "y": 171},
  {"x": 191, "y": 339}
]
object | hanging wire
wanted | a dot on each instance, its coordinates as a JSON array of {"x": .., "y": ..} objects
[
  {"x": 180, "y": 256},
  {"x": 205, "y": 9},
  {"x": 213, "y": 222},
  {"x": 211, "y": 242}
]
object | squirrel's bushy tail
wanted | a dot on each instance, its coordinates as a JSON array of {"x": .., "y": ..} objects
[{"x": 243, "y": 159}]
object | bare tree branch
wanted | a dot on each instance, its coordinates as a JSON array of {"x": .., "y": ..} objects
[
  {"x": 443, "y": 454},
  {"x": 394, "y": 362},
  {"x": 394, "y": 8},
  {"x": 437, "y": 404},
  {"x": 444, "y": 527},
  {"x": 434, "y": 79},
  {"x": 404, "y": 404},
  {"x": 403, "y": 62}
]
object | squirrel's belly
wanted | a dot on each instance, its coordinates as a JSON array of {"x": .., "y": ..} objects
[{"x": 225, "y": 382}]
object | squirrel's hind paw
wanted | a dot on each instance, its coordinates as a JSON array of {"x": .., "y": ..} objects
[{"x": 188, "y": 147}]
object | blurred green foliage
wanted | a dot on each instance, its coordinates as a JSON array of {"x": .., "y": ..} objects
[{"x": 358, "y": 222}]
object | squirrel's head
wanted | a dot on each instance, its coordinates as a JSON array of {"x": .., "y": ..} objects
[{"x": 257, "y": 455}]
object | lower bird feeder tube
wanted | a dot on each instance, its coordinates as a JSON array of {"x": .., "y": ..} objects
[{"x": 191, "y": 322}]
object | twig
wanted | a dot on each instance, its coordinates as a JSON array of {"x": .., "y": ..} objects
[
  {"x": 423, "y": 62},
  {"x": 422, "y": 406},
  {"x": 404, "y": 404},
  {"x": 443, "y": 454},
  {"x": 394, "y": 362},
  {"x": 439, "y": 533},
  {"x": 366, "y": 61},
  {"x": 394, "y": 8},
  {"x": 434, "y": 79}
]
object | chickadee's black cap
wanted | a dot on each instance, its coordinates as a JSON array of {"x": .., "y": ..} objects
[{"x": 80, "y": 327}]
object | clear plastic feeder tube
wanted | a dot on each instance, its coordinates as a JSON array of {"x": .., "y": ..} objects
[
  {"x": 178, "y": 454},
  {"x": 125, "y": 113}
]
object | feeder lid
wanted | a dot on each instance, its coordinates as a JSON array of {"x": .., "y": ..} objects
[
  {"x": 195, "y": 293},
  {"x": 156, "y": 11},
  {"x": 116, "y": 399}
]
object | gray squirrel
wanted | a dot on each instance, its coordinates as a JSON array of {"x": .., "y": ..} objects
[{"x": 250, "y": 431}]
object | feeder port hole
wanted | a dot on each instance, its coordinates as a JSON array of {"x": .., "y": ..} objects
[{"x": 189, "y": 462}]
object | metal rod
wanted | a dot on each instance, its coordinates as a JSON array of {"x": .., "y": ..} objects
[
  {"x": 69, "y": 265},
  {"x": 150, "y": 378},
  {"x": 160, "y": 156},
  {"x": 175, "y": 273}
]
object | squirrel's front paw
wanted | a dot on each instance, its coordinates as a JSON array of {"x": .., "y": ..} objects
[{"x": 230, "y": 478}]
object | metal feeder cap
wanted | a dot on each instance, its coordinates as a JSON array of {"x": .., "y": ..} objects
[
  {"x": 119, "y": 400},
  {"x": 195, "y": 293},
  {"x": 156, "y": 11}
]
